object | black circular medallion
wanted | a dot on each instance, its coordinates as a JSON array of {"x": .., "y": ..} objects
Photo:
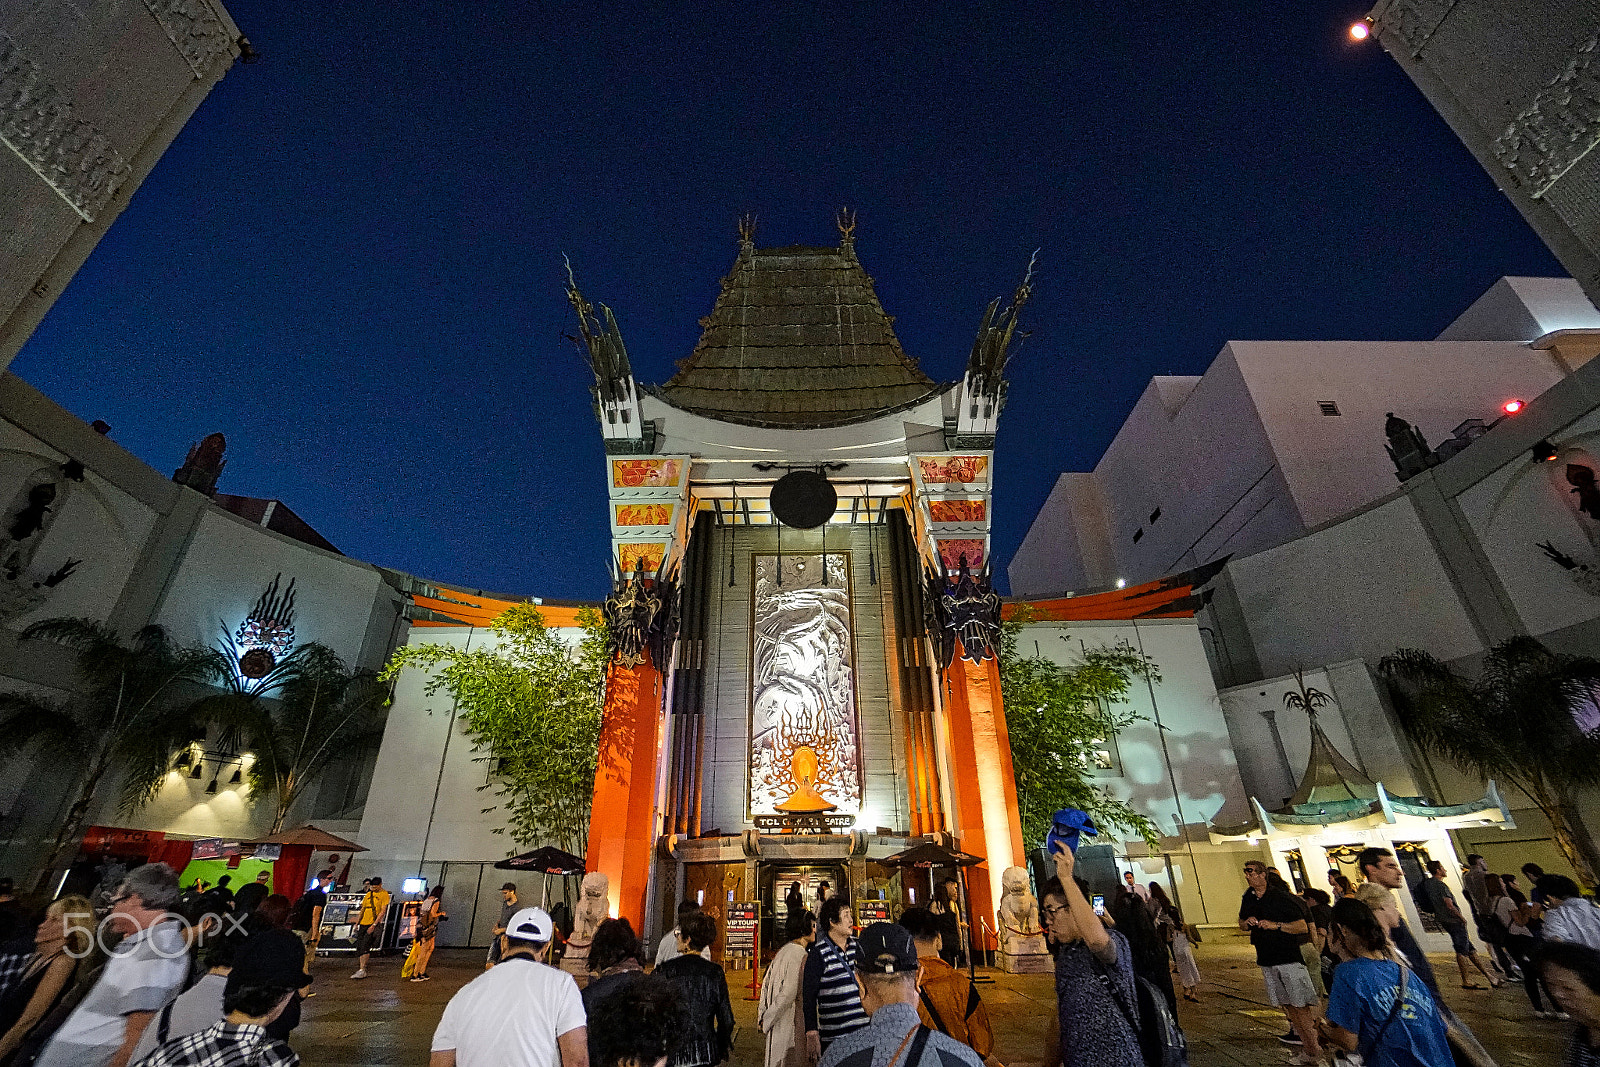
[{"x": 804, "y": 500}]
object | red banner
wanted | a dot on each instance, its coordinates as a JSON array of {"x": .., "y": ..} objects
[{"x": 122, "y": 842}]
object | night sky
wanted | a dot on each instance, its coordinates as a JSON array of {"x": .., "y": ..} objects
[{"x": 350, "y": 260}]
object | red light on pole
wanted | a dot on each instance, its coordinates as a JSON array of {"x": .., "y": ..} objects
[{"x": 1511, "y": 407}]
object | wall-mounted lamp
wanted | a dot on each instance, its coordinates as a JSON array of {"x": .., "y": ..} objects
[
  {"x": 199, "y": 770},
  {"x": 184, "y": 759},
  {"x": 1544, "y": 452},
  {"x": 238, "y": 774},
  {"x": 212, "y": 788}
]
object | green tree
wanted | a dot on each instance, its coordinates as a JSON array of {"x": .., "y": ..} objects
[
  {"x": 134, "y": 704},
  {"x": 1056, "y": 717},
  {"x": 532, "y": 706},
  {"x": 1529, "y": 720},
  {"x": 321, "y": 710}
]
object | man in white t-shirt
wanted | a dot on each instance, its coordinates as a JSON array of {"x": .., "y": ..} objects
[{"x": 519, "y": 1013}]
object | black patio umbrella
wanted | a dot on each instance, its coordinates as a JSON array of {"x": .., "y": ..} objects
[
  {"x": 931, "y": 854},
  {"x": 546, "y": 861}
]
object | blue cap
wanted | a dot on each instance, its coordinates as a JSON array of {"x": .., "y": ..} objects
[{"x": 1065, "y": 827}]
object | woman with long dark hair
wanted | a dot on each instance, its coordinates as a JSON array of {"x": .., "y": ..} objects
[
  {"x": 1520, "y": 943},
  {"x": 946, "y": 908},
  {"x": 1169, "y": 922},
  {"x": 1377, "y": 1007},
  {"x": 1149, "y": 949},
  {"x": 428, "y": 915}
]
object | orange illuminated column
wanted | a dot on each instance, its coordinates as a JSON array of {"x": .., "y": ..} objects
[
  {"x": 986, "y": 818},
  {"x": 622, "y": 821}
]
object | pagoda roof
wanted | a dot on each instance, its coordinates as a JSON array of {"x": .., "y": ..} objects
[
  {"x": 798, "y": 340},
  {"x": 1329, "y": 777}
]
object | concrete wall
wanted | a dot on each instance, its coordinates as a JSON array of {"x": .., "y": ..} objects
[{"x": 91, "y": 95}]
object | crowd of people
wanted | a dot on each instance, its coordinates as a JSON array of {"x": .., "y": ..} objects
[{"x": 143, "y": 974}]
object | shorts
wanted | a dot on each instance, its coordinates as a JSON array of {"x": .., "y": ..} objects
[
  {"x": 1313, "y": 961},
  {"x": 1459, "y": 939},
  {"x": 1289, "y": 985},
  {"x": 364, "y": 939}
]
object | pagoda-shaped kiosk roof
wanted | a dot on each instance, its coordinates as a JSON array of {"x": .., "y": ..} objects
[
  {"x": 1333, "y": 793},
  {"x": 797, "y": 340}
]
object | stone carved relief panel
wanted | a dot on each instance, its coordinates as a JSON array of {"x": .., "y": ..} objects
[
  {"x": 1558, "y": 126},
  {"x": 38, "y": 123},
  {"x": 196, "y": 32},
  {"x": 805, "y": 749},
  {"x": 1414, "y": 20}
]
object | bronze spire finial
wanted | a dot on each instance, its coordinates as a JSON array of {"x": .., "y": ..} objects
[{"x": 747, "y": 233}]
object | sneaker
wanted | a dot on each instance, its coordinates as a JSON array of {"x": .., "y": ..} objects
[
  {"x": 1544, "y": 1015},
  {"x": 425, "y": 978},
  {"x": 1563, "y": 1016},
  {"x": 308, "y": 996},
  {"x": 362, "y": 973},
  {"x": 1291, "y": 1038}
]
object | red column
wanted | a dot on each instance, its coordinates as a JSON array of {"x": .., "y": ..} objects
[
  {"x": 622, "y": 820},
  {"x": 986, "y": 818}
]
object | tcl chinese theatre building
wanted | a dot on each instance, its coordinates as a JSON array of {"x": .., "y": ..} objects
[{"x": 793, "y": 515}]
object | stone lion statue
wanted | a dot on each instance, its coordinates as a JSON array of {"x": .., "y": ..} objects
[
  {"x": 1019, "y": 911},
  {"x": 593, "y": 908}
]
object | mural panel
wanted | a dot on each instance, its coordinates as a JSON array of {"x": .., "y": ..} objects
[
  {"x": 805, "y": 754},
  {"x": 629, "y": 554},
  {"x": 943, "y": 470},
  {"x": 645, "y": 473},
  {"x": 950, "y": 553},
  {"x": 957, "y": 510},
  {"x": 644, "y": 514}
]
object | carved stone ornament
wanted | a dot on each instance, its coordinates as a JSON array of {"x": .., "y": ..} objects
[
  {"x": 964, "y": 612},
  {"x": 39, "y": 124},
  {"x": 23, "y": 527},
  {"x": 642, "y": 619},
  {"x": 196, "y": 32},
  {"x": 1414, "y": 21},
  {"x": 267, "y": 633},
  {"x": 1558, "y": 126}
]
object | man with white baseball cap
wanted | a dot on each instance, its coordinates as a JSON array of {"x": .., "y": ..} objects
[{"x": 519, "y": 1013}]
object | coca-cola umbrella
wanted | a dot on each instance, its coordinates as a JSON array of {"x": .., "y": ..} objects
[
  {"x": 931, "y": 854},
  {"x": 547, "y": 860}
]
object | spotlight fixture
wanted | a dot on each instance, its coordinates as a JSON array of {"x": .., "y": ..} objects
[
  {"x": 212, "y": 788},
  {"x": 238, "y": 775},
  {"x": 1511, "y": 407},
  {"x": 1544, "y": 452},
  {"x": 1360, "y": 31},
  {"x": 184, "y": 759},
  {"x": 199, "y": 771}
]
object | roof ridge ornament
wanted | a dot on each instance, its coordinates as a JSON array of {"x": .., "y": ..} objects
[
  {"x": 846, "y": 221},
  {"x": 616, "y": 396},
  {"x": 747, "y": 234}
]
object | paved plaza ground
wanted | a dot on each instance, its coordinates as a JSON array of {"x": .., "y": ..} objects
[{"x": 386, "y": 1021}]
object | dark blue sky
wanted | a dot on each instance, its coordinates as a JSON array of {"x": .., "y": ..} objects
[{"x": 350, "y": 260}]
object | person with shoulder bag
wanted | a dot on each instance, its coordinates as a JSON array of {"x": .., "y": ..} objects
[{"x": 1377, "y": 1009}]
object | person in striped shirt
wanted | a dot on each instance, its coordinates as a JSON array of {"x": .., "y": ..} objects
[{"x": 831, "y": 998}]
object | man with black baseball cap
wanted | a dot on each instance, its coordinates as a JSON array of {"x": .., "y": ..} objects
[
  {"x": 887, "y": 976},
  {"x": 520, "y": 1013}
]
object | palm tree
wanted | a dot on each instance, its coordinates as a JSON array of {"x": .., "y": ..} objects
[
  {"x": 132, "y": 707},
  {"x": 1530, "y": 719},
  {"x": 322, "y": 710}
]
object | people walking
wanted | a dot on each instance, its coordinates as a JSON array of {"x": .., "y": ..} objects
[
  {"x": 672, "y": 940},
  {"x": 634, "y": 1025},
  {"x": 1150, "y": 957},
  {"x": 1096, "y": 999},
  {"x": 306, "y": 918},
  {"x": 1276, "y": 922},
  {"x": 1377, "y": 1008},
  {"x": 509, "y": 906},
  {"x": 63, "y": 946},
  {"x": 1442, "y": 902},
  {"x": 242, "y": 1036},
  {"x": 429, "y": 913},
  {"x": 829, "y": 995},
  {"x": 250, "y": 895},
  {"x": 1520, "y": 943},
  {"x": 946, "y": 908},
  {"x": 1568, "y": 916},
  {"x": 197, "y": 1008},
  {"x": 780, "y": 1014},
  {"x": 369, "y": 922},
  {"x": 1382, "y": 872},
  {"x": 947, "y": 999},
  {"x": 521, "y": 1013},
  {"x": 146, "y": 970},
  {"x": 794, "y": 906},
  {"x": 614, "y": 961},
  {"x": 272, "y": 948},
  {"x": 1169, "y": 920},
  {"x": 887, "y": 970},
  {"x": 706, "y": 1011}
]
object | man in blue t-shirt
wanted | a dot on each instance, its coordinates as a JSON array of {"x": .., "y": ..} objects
[{"x": 1361, "y": 1003}]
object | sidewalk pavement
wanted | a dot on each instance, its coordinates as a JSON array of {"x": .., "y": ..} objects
[{"x": 385, "y": 1021}]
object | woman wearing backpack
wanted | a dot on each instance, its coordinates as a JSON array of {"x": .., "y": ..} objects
[{"x": 1377, "y": 1007}]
